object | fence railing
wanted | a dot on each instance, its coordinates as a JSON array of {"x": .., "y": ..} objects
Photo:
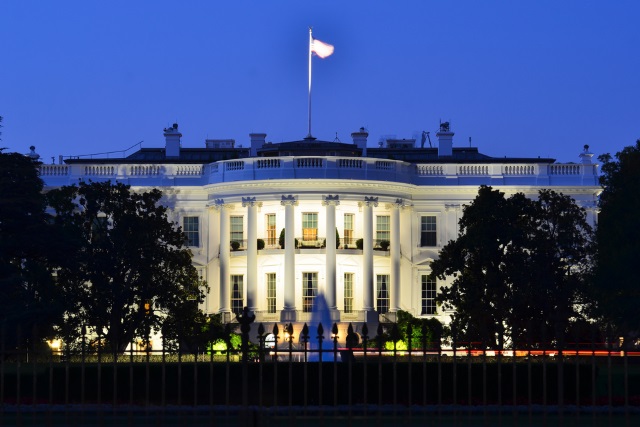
[{"x": 369, "y": 375}]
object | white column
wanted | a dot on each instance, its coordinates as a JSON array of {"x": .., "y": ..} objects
[
  {"x": 212, "y": 237},
  {"x": 367, "y": 257},
  {"x": 395, "y": 256},
  {"x": 225, "y": 250},
  {"x": 330, "y": 291},
  {"x": 289, "y": 310},
  {"x": 252, "y": 252}
]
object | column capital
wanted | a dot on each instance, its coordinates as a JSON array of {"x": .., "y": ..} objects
[
  {"x": 251, "y": 202},
  {"x": 369, "y": 202},
  {"x": 398, "y": 204},
  {"x": 289, "y": 200},
  {"x": 219, "y": 204},
  {"x": 331, "y": 200}
]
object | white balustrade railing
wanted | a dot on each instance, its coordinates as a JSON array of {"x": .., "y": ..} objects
[
  {"x": 518, "y": 170},
  {"x": 145, "y": 170},
  {"x": 473, "y": 170},
  {"x": 385, "y": 165},
  {"x": 309, "y": 162},
  {"x": 429, "y": 170},
  {"x": 349, "y": 163},
  {"x": 273, "y": 163},
  {"x": 189, "y": 170},
  {"x": 566, "y": 169},
  {"x": 99, "y": 170},
  {"x": 54, "y": 170},
  {"x": 234, "y": 165},
  {"x": 289, "y": 167}
]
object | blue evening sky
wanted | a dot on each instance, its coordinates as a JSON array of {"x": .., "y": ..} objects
[{"x": 522, "y": 78}]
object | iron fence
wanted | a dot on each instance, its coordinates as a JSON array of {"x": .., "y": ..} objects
[{"x": 263, "y": 380}]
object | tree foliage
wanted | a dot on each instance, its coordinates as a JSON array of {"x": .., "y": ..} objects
[
  {"x": 28, "y": 295},
  {"x": 618, "y": 237},
  {"x": 126, "y": 268},
  {"x": 518, "y": 269},
  {"x": 420, "y": 332}
]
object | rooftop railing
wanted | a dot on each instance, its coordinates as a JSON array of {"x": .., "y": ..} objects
[{"x": 329, "y": 167}]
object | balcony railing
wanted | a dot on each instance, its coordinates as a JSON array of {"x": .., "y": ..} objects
[
  {"x": 330, "y": 168},
  {"x": 317, "y": 243}
]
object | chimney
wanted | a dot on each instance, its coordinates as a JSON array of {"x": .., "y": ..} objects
[
  {"x": 445, "y": 140},
  {"x": 360, "y": 140},
  {"x": 257, "y": 141},
  {"x": 172, "y": 139},
  {"x": 586, "y": 156}
]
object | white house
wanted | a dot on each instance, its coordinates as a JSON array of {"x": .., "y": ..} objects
[{"x": 401, "y": 201}]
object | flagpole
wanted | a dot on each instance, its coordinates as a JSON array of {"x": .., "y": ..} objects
[{"x": 310, "y": 42}]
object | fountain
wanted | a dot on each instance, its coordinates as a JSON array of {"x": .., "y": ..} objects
[{"x": 320, "y": 315}]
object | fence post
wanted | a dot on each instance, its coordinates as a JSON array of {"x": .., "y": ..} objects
[
  {"x": 365, "y": 338},
  {"x": 261, "y": 339},
  {"x": 304, "y": 336},
  {"x": 275, "y": 333},
  {"x": 409, "y": 378},
  {"x": 334, "y": 333},
  {"x": 380, "y": 332}
]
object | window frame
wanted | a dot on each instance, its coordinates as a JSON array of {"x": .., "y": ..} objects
[
  {"x": 234, "y": 234},
  {"x": 236, "y": 282},
  {"x": 428, "y": 292},
  {"x": 383, "y": 233},
  {"x": 428, "y": 231},
  {"x": 271, "y": 286},
  {"x": 189, "y": 233},
  {"x": 348, "y": 233},
  {"x": 309, "y": 233},
  {"x": 309, "y": 290},
  {"x": 383, "y": 299},
  {"x": 272, "y": 236},
  {"x": 348, "y": 293}
]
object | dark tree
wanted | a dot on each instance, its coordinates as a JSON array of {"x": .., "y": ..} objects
[
  {"x": 618, "y": 237},
  {"x": 127, "y": 268},
  {"x": 28, "y": 295},
  {"x": 189, "y": 330},
  {"x": 518, "y": 269}
]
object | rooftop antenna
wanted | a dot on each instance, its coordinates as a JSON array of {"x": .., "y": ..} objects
[
  {"x": 337, "y": 139},
  {"x": 469, "y": 142},
  {"x": 425, "y": 136}
]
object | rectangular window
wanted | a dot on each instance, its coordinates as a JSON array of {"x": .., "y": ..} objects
[
  {"x": 428, "y": 295},
  {"x": 237, "y": 293},
  {"x": 271, "y": 230},
  {"x": 383, "y": 229},
  {"x": 348, "y": 292},
  {"x": 309, "y": 226},
  {"x": 271, "y": 292},
  {"x": 382, "y": 293},
  {"x": 237, "y": 234},
  {"x": 191, "y": 230},
  {"x": 309, "y": 291},
  {"x": 428, "y": 230},
  {"x": 348, "y": 230}
]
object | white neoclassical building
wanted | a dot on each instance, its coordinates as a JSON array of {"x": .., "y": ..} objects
[{"x": 360, "y": 225}]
